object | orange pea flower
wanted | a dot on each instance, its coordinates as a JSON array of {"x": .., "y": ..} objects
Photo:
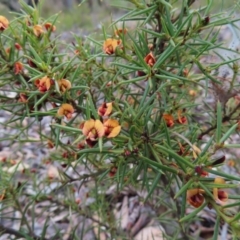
[
  {"x": 8, "y": 50},
  {"x": 192, "y": 93},
  {"x": 112, "y": 128},
  {"x": 3, "y": 23},
  {"x": 64, "y": 85},
  {"x": 113, "y": 171},
  {"x": 199, "y": 170},
  {"x": 195, "y": 197},
  {"x": 220, "y": 196},
  {"x": 130, "y": 100},
  {"x": 93, "y": 129},
  {"x": 38, "y": 30},
  {"x": 120, "y": 32},
  {"x": 150, "y": 59},
  {"x": 110, "y": 45},
  {"x": 18, "y": 67},
  {"x": 81, "y": 145},
  {"x": 168, "y": 119},
  {"x": 181, "y": 119},
  {"x": 105, "y": 109},
  {"x": 77, "y": 52},
  {"x": 182, "y": 150},
  {"x": 50, "y": 26},
  {"x": 50, "y": 144},
  {"x": 66, "y": 110},
  {"x": 28, "y": 22},
  {"x": 44, "y": 84},
  {"x": 2, "y": 195},
  {"x": 22, "y": 98},
  {"x": 18, "y": 46},
  {"x": 150, "y": 46},
  {"x": 185, "y": 72},
  {"x": 231, "y": 163}
]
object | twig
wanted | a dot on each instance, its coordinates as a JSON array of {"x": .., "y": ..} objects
[
  {"x": 224, "y": 119},
  {"x": 189, "y": 3}
]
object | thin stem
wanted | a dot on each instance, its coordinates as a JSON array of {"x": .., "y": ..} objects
[
  {"x": 224, "y": 119},
  {"x": 24, "y": 219}
]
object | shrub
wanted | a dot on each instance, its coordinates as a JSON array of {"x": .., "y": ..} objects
[{"x": 153, "y": 105}]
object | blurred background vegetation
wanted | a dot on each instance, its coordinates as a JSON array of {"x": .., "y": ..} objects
[{"x": 80, "y": 16}]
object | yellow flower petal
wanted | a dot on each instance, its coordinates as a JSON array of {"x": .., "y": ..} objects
[
  {"x": 50, "y": 26},
  {"x": 115, "y": 131},
  {"x": 64, "y": 85},
  {"x": 48, "y": 83},
  {"x": 44, "y": 84},
  {"x": 3, "y": 23},
  {"x": 88, "y": 126},
  {"x": 38, "y": 30},
  {"x": 195, "y": 197},
  {"x": 168, "y": 118},
  {"x": 60, "y": 111},
  {"x": 219, "y": 196},
  {"x": 120, "y": 32},
  {"x": 109, "y": 46},
  {"x": 99, "y": 128},
  {"x": 68, "y": 107},
  {"x": 111, "y": 123},
  {"x": 105, "y": 109},
  {"x": 2, "y": 195},
  {"x": 219, "y": 180},
  {"x": 109, "y": 109},
  {"x": 66, "y": 110}
]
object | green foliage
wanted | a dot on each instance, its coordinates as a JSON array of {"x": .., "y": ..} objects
[{"x": 129, "y": 108}]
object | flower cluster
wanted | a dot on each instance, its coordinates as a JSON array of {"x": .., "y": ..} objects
[
  {"x": 170, "y": 121},
  {"x": 38, "y": 29},
  {"x": 44, "y": 84},
  {"x": 110, "y": 44},
  {"x": 95, "y": 129},
  {"x": 196, "y": 197}
]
